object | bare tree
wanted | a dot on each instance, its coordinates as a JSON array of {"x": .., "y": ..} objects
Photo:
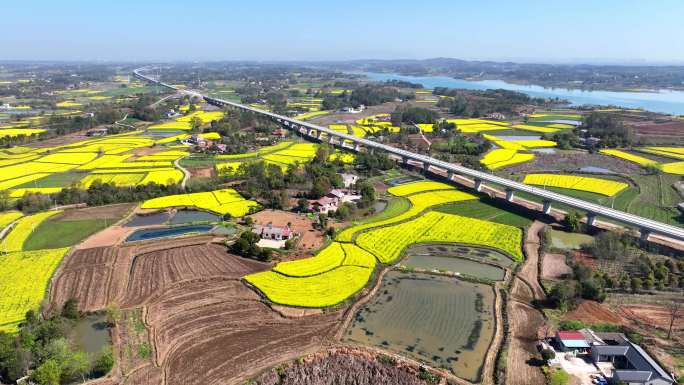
[{"x": 675, "y": 309}]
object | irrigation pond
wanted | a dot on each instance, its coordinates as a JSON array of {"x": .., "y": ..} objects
[
  {"x": 145, "y": 234},
  {"x": 442, "y": 321}
]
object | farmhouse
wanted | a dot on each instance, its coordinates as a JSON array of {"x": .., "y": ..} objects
[
  {"x": 332, "y": 201},
  {"x": 349, "y": 180},
  {"x": 571, "y": 340},
  {"x": 616, "y": 357},
  {"x": 273, "y": 232}
]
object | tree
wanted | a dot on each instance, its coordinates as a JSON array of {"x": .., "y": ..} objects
[
  {"x": 48, "y": 373},
  {"x": 302, "y": 205},
  {"x": 635, "y": 284},
  {"x": 675, "y": 309},
  {"x": 367, "y": 192},
  {"x": 548, "y": 354},
  {"x": 76, "y": 366},
  {"x": 572, "y": 221},
  {"x": 70, "y": 309},
  {"x": 5, "y": 200},
  {"x": 104, "y": 363},
  {"x": 113, "y": 314},
  {"x": 195, "y": 124}
]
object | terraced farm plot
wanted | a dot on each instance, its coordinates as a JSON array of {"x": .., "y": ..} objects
[
  {"x": 127, "y": 179},
  {"x": 535, "y": 128},
  {"x": 595, "y": 185},
  {"x": 212, "y": 201},
  {"x": 419, "y": 203},
  {"x": 442, "y": 321},
  {"x": 24, "y": 278},
  {"x": 324, "y": 290},
  {"x": 262, "y": 151},
  {"x": 672, "y": 152},
  {"x": 163, "y": 177},
  {"x": 8, "y": 217},
  {"x": 327, "y": 259},
  {"x": 416, "y": 187},
  {"x": 309, "y": 115},
  {"x": 640, "y": 160},
  {"x": 14, "y": 132},
  {"x": 676, "y": 168},
  {"x": 387, "y": 243},
  {"x": 22, "y": 230},
  {"x": 499, "y": 158}
]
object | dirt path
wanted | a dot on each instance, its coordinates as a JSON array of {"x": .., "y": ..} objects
[{"x": 524, "y": 320}]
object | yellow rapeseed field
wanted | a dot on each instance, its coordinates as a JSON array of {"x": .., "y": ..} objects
[
  {"x": 599, "y": 186},
  {"x": 14, "y": 241},
  {"x": 630, "y": 157},
  {"x": 24, "y": 278}
]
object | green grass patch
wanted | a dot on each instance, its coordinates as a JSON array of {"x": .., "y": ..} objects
[
  {"x": 55, "y": 234},
  {"x": 395, "y": 207},
  {"x": 200, "y": 161},
  {"x": 62, "y": 179},
  {"x": 490, "y": 210}
]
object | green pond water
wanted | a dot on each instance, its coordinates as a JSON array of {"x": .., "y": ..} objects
[
  {"x": 567, "y": 241},
  {"x": 462, "y": 251},
  {"x": 455, "y": 264},
  {"x": 91, "y": 333},
  {"x": 441, "y": 321}
]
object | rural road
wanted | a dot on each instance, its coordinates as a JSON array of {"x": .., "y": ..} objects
[{"x": 525, "y": 320}]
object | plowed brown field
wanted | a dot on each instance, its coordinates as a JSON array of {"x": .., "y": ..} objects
[
  {"x": 592, "y": 312},
  {"x": 651, "y": 314},
  {"x": 203, "y": 324}
]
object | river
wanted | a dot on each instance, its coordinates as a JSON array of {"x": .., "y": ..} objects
[{"x": 664, "y": 101}]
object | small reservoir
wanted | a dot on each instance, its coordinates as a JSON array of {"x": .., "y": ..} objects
[{"x": 145, "y": 234}]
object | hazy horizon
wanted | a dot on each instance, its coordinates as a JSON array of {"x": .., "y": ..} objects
[{"x": 527, "y": 31}]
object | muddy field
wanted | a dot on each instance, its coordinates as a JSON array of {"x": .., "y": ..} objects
[
  {"x": 184, "y": 302},
  {"x": 115, "y": 212},
  {"x": 667, "y": 132},
  {"x": 592, "y": 312},
  {"x": 341, "y": 366},
  {"x": 309, "y": 238},
  {"x": 554, "y": 267}
]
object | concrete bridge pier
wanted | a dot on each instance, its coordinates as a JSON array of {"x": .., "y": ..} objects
[
  {"x": 510, "y": 194},
  {"x": 478, "y": 185},
  {"x": 591, "y": 219},
  {"x": 357, "y": 148},
  {"x": 450, "y": 176},
  {"x": 547, "y": 207},
  {"x": 644, "y": 234},
  {"x": 426, "y": 166}
]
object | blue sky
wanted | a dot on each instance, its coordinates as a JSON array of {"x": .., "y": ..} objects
[{"x": 522, "y": 30}]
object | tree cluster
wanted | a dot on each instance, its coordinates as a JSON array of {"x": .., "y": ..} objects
[
  {"x": 612, "y": 130},
  {"x": 42, "y": 346}
]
